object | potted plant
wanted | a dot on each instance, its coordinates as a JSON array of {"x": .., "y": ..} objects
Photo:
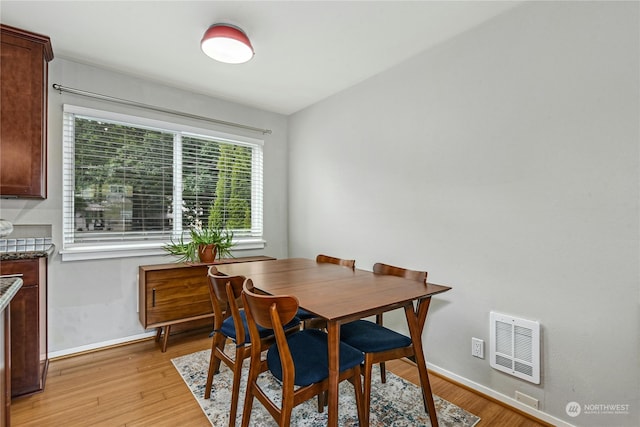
[{"x": 206, "y": 243}]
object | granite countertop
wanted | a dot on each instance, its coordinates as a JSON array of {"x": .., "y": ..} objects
[{"x": 9, "y": 286}]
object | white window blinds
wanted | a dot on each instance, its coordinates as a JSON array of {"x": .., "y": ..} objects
[{"x": 129, "y": 180}]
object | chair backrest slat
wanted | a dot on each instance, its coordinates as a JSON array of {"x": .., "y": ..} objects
[
  {"x": 419, "y": 276},
  {"x": 219, "y": 283},
  {"x": 225, "y": 292},
  {"x": 261, "y": 306},
  {"x": 351, "y": 263}
]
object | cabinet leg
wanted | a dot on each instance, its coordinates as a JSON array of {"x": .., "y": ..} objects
[
  {"x": 158, "y": 333},
  {"x": 165, "y": 339}
]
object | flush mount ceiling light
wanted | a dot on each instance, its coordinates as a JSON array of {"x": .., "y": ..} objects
[{"x": 226, "y": 43}]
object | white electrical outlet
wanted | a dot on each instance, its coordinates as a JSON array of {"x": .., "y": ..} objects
[{"x": 477, "y": 348}]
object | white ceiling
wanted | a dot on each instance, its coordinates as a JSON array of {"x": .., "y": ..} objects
[{"x": 305, "y": 50}]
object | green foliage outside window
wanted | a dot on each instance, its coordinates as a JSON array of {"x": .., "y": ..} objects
[
  {"x": 124, "y": 179},
  {"x": 232, "y": 205}
]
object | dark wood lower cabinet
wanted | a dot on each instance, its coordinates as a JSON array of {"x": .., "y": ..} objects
[{"x": 29, "y": 360}]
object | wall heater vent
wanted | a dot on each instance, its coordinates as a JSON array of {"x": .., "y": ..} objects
[{"x": 515, "y": 346}]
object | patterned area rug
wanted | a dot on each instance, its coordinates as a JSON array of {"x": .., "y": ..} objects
[{"x": 396, "y": 403}]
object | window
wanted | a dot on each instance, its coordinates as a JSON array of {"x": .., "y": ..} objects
[{"x": 132, "y": 184}]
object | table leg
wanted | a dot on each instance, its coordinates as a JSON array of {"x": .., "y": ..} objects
[
  {"x": 415, "y": 322},
  {"x": 333, "y": 329}
]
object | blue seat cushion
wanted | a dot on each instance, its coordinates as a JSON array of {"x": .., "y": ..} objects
[
  {"x": 370, "y": 337},
  {"x": 303, "y": 314},
  {"x": 228, "y": 329},
  {"x": 309, "y": 350}
]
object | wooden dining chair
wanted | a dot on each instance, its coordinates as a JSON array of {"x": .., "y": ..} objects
[
  {"x": 379, "y": 344},
  {"x": 230, "y": 322},
  {"x": 299, "y": 361},
  {"x": 416, "y": 275}
]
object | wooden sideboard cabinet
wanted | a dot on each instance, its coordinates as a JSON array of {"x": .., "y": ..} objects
[
  {"x": 172, "y": 294},
  {"x": 23, "y": 112},
  {"x": 29, "y": 359}
]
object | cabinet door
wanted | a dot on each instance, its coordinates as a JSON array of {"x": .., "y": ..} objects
[
  {"x": 176, "y": 294},
  {"x": 25, "y": 327},
  {"x": 25, "y": 350},
  {"x": 23, "y": 113}
]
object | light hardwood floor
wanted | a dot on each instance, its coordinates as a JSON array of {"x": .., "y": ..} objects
[{"x": 137, "y": 385}]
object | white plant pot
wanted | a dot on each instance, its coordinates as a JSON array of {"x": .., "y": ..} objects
[{"x": 6, "y": 228}]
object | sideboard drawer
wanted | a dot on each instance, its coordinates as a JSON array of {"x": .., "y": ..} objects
[{"x": 176, "y": 294}]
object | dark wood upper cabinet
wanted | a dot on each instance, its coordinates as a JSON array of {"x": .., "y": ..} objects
[{"x": 23, "y": 116}]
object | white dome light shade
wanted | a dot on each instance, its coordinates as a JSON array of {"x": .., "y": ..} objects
[{"x": 226, "y": 43}]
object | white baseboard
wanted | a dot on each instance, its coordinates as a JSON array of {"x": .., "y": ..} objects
[
  {"x": 99, "y": 345},
  {"x": 499, "y": 397}
]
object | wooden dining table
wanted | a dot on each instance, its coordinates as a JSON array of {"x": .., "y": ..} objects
[{"x": 341, "y": 295}]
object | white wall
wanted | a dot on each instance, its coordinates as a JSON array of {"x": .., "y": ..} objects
[
  {"x": 93, "y": 302},
  {"x": 505, "y": 162}
]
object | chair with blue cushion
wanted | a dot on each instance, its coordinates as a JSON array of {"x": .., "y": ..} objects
[
  {"x": 299, "y": 361},
  {"x": 230, "y": 322},
  {"x": 379, "y": 344}
]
